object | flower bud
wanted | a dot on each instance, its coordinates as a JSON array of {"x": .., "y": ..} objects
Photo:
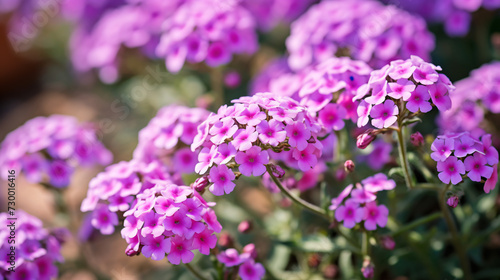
[
  {"x": 232, "y": 79},
  {"x": 225, "y": 239},
  {"x": 314, "y": 260},
  {"x": 452, "y": 201},
  {"x": 200, "y": 184},
  {"x": 365, "y": 138},
  {"x": 387, "y": 242},
  {"x": 349, "y": 166},
  {"x": 340, "y": 174},
  {"x": 245, "y": 226},
  {"x": 131, "y": 252},
  {"x": 417, "y": 139},
  {"x": 330, "y": 271},
  {"x": 277, "y": 171},
  {"x": 250, "y": 250},
  {"x": 368, "y": 269}
]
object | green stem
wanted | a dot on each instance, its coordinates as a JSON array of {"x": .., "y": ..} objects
[
  {"x": 216, "y": 82},
  {"x": 416, "y": 223},
  {"x": 456, "y": 240},
  {"x": 364, "y": 244},
  {"x": 195, "y": 272},
  {"x": 403, "y": 158},
  {"x": 311, "y": 207}
]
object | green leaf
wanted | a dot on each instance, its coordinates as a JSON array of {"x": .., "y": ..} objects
[
  {"x": 396, "y": 171},
  {"x": 345, "y": 264}
]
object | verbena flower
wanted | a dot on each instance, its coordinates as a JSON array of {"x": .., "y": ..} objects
[
  {"x": 362, "y": 205},
  {"x": 472, "y": 99},
  {"x": 364, "y": 30},
  {"x": 268, "y": 14},
  {"x": 37, "y": 248},
  {"x": 172, "y": 221},
  {"x": 401, "y": 90},
  {"x": 455, "y": 15},
  {"x": 115, "y": 189},
  {"x": 167, "y": 138},
  {"x": 248, "y": 269},
  {"x": 48, "y": 149},
  {"x": 260, "y": 131},
  {"x": 459, "y": 154}
]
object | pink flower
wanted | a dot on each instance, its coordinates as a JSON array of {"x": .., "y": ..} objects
[
  {"x": 251, "y": 270},
  {"x": 244, "y": 138},
  {"x": 442, "y": 149},
  {"x": 217, "y": 54},
  {"x": 401, "y": 89},
  {"x": 178, "y": 223},
  {"x": 222, "y": 130},
  {"x": 230, "y": 257},
  {"x": 59, "y": 173},
  {"x": 419, "y": 100},
  {"x": 205, "y": 160},
  {"x": 339, "y": 199},
  {"x": 104, "y": 220},
  {"x": 185, "y": 160},
  {"x": 306, "y": 158},
  {"x": 222, "y": 178},
  {"x": 225, "y": 153},
  {"x": 402, "y": 71},
  {"x": 155, "y": 247},
  {"x": 271, "y": 132},
  {"x": 451, "y": 170},
  {"x": 491, "y": 183},
  {"x": 350, "y": 213},
  {"x": 180, "y": 251},
  {"x": 477, "y": 168},
  {"x": 384, "y": 115},
  {"x": 362, "y": 195},
  {"x": 440, "y": 96},
  {"x": 378, "y": 182},
  {"x": 298, "y": 135},
  {"x": 252, "y": 115},
  {"x": 204, "y": 241},
  {"x": 363, "y": 111},
  {"x": 425, "y": 75},
  {"x": 464, "y": 145},
  {"x": 375, "y": 215},
  {"x": 252, "y": 161},
  {"x": 331, "y": 116}
]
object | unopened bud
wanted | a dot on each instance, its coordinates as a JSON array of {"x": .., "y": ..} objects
[
  {"x": 200, "y": 184},
  {"x": 314, "y": 260},
  {"x": 417, "y": 139},
  {"x": 277, "y": 171},
  {"x": 368, "y": 269},
  {"x": 349, "y": 166},
  {"x": 387, "y": 242},
  {"x": 340, "y": 174},
  {"x": 232, "y": 79},
  {"x": 250, "y": 250},
  {"x": 452, "y": 201},
  {"x": 130, "y": 251},
  {"x": 365, "y": 138},
  {"x": 225, "y": 240},
  {"x": 330, "y": 271},
  {"x": 245, "y": 226}
]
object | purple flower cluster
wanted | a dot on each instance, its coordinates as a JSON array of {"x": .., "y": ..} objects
[
  {"x": 47, "y": 149},
  {"x": 455, "y": 14},
  {"x": 37, "y": 249},
  {"x": 103, "y": 28},
  {"x": 178, "y": 31},
  {"x": 248, "y": 269},
  {"x": 115, "y": 189},
  {"x": 362, "y": 205},
  {"x": 170, "y": 220},
  {"x": 400, "y": 88},
  {"x": 335, "y": 79},
  {"x": 210, "y": 31},
  {"x": 268, "y": 14},
  {"x": 458, "y": 154},
  {"x": 246, "y": 134},
  {"x": 472, "y": 99},
  {"x": 167, "y": 138},
  {"x": 362, "y": 29}
]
